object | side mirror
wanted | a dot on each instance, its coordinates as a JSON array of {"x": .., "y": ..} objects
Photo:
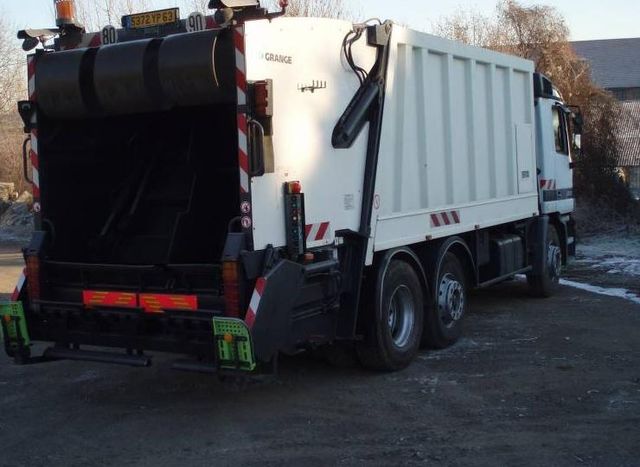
[
  {"x": 577, "y": 141},
  {"x": 576, "y": 118},
  {"x": 30, "y": 43},
  {"x": 578, "y": 123}
]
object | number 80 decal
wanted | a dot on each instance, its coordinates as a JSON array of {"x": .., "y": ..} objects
[{"x": 109, "y": 35}]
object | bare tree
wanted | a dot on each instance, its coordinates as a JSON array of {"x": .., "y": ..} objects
[
  {"x": 195, "y": 5},
  {"x": 12, "y": 88},
  {"x": 12, "y": 65},
  {"x": 94, "y": 15},
  {"x": 316, "y": 8},
  {"x": 469, "y": 27}
]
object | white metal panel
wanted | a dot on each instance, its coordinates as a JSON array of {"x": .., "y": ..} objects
[
  {"x": 527, "y": 178},
  {"x": 400, "y": 229},
  {"x": 449, "y": 140},
  {"x": 309, "y": 50}
]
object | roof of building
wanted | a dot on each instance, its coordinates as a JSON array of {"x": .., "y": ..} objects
[
  {"x": 615, "y": 63},
  {"x": 629, "y": 134}
]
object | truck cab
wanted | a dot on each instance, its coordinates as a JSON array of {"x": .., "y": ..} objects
[{"x": 556, "y": 148}]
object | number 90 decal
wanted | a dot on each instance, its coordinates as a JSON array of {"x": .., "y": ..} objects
[
  {"x": 196, "y": 22},
  {"x": 109, "y": 35}
]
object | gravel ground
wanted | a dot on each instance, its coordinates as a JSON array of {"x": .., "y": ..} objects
[{"x": 534, "y": 382}]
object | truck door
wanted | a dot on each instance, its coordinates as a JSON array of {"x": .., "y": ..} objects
[{"x": 562, "y": 191}]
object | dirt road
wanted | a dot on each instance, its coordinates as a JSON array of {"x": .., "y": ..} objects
[{"x": 537, "y": 382}]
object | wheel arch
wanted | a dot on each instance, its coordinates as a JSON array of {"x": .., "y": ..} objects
[
  {"x": 459, "y": 247},
  {"x": 409, "y": 256}
]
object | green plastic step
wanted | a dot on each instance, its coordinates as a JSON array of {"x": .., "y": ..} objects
[
  {"x": 13, "y": 326},
  {"x": 234, "y": 345}
]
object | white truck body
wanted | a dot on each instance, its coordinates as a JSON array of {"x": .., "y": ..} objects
[
  {"x": 256, "y": 185},
  {"x": 457, "y": 145}
]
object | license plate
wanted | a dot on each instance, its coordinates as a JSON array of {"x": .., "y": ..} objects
[{"x": 151, "y": 19}]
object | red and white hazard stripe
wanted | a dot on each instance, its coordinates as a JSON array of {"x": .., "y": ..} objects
[
  {"x": 445, "y": 218},
  {"x": 31, "y": 70},
  {"x": 241, "y": 85},
  {"x": 16, "y": 292},
  {"x": 317, "y": 232},
  {"x": 254, "y": 305},
  {"x": 548, "y": 184},
  {"x": 35, "y": 168},
  {"x": 33, "y": 155}
]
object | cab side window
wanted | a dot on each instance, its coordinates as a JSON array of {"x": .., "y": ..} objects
[{"x": 560, "y": 131}]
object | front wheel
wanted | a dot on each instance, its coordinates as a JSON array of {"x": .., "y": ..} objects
[
  {"x": 394, "y": 323},
  {"x": 548, "y": 283}
]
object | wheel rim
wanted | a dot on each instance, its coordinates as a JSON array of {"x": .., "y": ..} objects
[
  {"x": 451, "y": 300},
  {"x": 401, "y": 316},
  {"x": 554, "y": 261}
]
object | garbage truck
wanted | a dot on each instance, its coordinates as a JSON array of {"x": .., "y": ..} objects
[{"x": 232, "y": 187}]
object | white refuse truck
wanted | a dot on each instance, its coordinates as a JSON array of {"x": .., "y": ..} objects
[{"x": 241, "y": 185}]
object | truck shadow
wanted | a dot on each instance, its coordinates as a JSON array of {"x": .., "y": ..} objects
[{"x": 159, "y": 388}]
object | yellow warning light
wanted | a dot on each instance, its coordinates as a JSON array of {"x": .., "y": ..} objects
[{"x": 228, "y": 338}]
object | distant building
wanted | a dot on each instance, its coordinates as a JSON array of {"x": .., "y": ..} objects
[{"x": 615, "y": 66}]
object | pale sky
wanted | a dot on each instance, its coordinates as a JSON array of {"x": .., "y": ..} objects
[{"x": 587, "y": 19}]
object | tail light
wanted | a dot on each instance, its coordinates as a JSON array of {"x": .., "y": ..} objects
[
  {"x": 33, "y": 277},
  {"x": 262, "y": 99},
  {"x": 231, "y": 282},
  {"x": 65, "y": 12}
]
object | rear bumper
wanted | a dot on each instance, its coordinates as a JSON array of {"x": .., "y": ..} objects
[{"x": 68, "y": 324}]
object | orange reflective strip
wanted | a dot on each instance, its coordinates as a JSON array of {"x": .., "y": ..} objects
[
  {"x": 115, "y": 299},
  {"x": 154, "y": 303}
]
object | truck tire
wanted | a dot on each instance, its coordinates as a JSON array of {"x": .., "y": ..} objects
[
  {"x": 547, "y": 285},
  {"x": 450, "y": 304},
  {"x": 395, "y": 320}
]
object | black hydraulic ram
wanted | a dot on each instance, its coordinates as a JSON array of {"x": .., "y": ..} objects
[{"x": 367, "y": 106}]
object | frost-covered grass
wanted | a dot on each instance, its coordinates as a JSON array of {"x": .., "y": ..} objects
[
  {"x": 614, "y": 254},
  {"x": 610, "y": 261},
  {"x": 609, "y": 292}
]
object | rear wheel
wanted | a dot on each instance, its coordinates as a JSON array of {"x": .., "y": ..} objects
[
  {"x": 395, "y": 320},
  {"x": 548, "y": 283},
  {"x": 450, "y": 303}
]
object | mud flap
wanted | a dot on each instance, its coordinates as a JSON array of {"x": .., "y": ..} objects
[
  {"x": 13, "y": 329},
  {"x": 540, "y": 245},
  {"x": 272, "y": 329},
  {"x": 567, "y": 238}
]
